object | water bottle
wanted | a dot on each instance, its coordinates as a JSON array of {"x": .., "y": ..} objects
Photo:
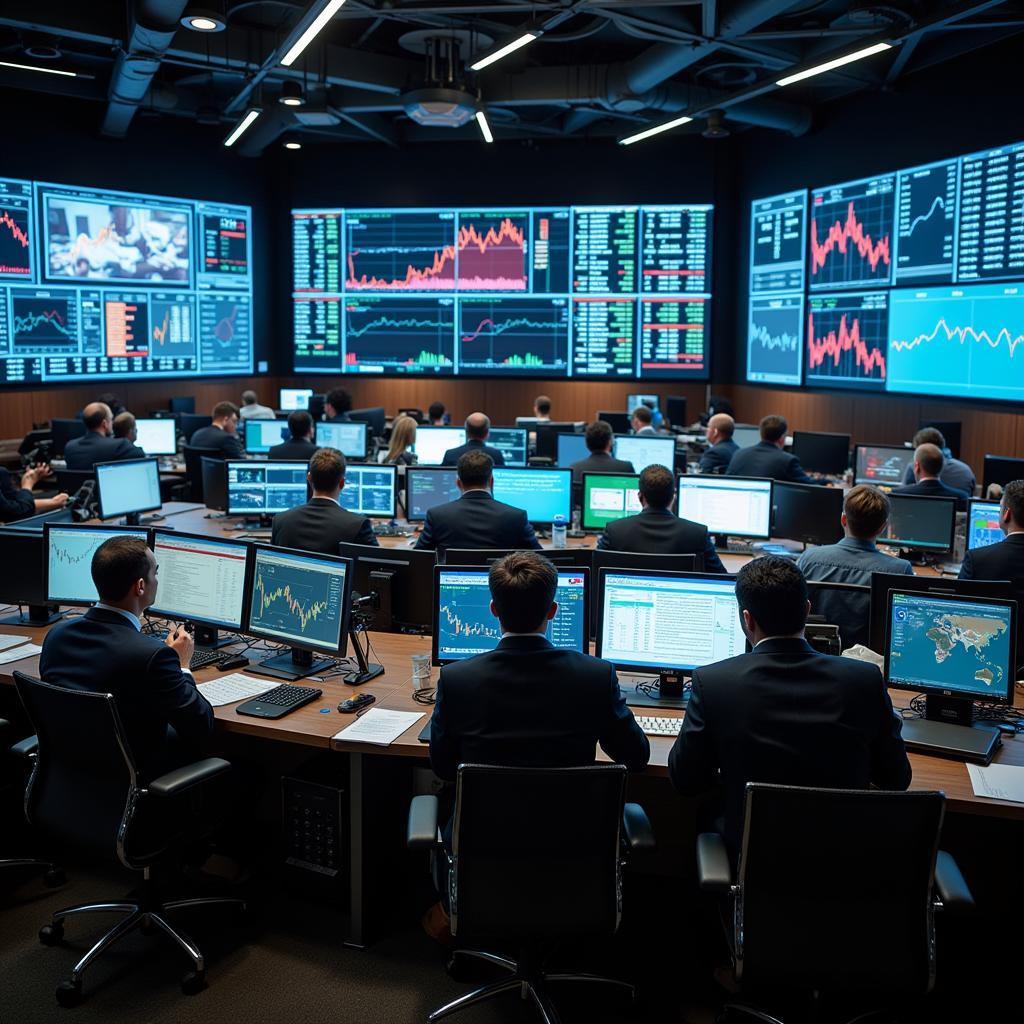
[{"x": 558, "y": 532}]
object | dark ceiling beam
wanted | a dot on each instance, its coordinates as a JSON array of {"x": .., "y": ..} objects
[
  {"x": 374, "y": 126},
  {"x": 709, "y": 17},
  {"x": 76, "y": 22},
  {"x": 956, "y": 44}
]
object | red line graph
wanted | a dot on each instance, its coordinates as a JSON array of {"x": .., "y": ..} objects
[
  {"x": 493, "y": 260},
  {"x": 842, "y": 232},
  {"x": 416, "y": 278},
  {"x": 835, "y": 345},
  {"x": 962, "y": 334},
  {"x": 20, "y": 235}
]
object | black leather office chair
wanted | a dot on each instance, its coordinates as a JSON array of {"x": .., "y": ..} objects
[
  {"x": 85, "y": 792},
  {"x": 536, "y": 858},
  {"x": 194, "y": 470},
  {"x": 836, "y": 892},
  {"x": 69, "y": 480}
]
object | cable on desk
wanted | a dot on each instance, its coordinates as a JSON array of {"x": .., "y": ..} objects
[
  {"x": 653, "y": 688},
  {"x": 991, "y": 713},
  {"x": 428, "y": 695}
]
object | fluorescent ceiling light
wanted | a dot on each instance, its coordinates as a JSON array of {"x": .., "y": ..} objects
[
  {"x": 485, "y": 128},
  {"x": 830, "y": 65},
  {"x": 236, "y": 132},
  {"x": 32, "y": 67},
  {"x": 656, "y": 130},
  {"x": 504, "y": 51},
  {"x": 330, "y": 9}
]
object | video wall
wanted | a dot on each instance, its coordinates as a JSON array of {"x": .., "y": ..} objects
[
  {"x": 910, "y": 282},
  {"x": 102, "y": 284},
  {"x": 587, "y": 292}
]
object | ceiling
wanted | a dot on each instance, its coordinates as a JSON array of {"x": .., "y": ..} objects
[{"x": 600, "y": 67}]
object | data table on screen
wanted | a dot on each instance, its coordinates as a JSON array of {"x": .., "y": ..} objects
[
  {"x": 990, "y": 245},
  {"x": 200, "y": 579}
]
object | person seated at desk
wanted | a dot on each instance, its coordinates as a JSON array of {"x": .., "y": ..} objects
[
  {"x": 656, "y": 530},
  {"x": 337, "y": 406},
  {"x": 437, "y": 415},
  {"x": 721, "y": 447},
  {"x": 642, "y": 421},
  {"x": 478, "y": 426},
  {"x": 252, "y": 410},
  {"x": 784, "y": 713},
  {"x": 222, "y": 434},
  {"x": 104, "y": 651},
  {"x": 928, "y": 463},
  {"x": 97, "y": 444},
  {"x": 321, "y": 524},
  {"x": 955, "y": 474},
  {"x": 599, "y": 440},
  {"x": 542, "y": 409},
  {"x": 475, "y": 519},
  {"x": 403, "y": 437},
  {"x": 18, "y": 503},
  {"x": 766, "y": 458},
  {"x": 300, "y": 446},
  {"x": 124, "y": 426}
]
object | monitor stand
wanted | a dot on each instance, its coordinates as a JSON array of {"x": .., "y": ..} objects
[
  {"x": 382, "y": 599},
  {"x": 948, "y": 730},
  {"x": 295, "y": 665},
  {"x": 261, "y": 522},
  {"x": 38, "y": 615},
  {"x": 138, "y": 519},
  {"x": 367, "y": 670},
  {"x": 208, "y": 639},
  {"x": 670, "y": 692}
]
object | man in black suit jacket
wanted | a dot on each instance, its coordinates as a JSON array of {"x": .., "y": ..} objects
[
  {"x": 478, "y": 426},
  {"x": 767, "y": 459},
  {"x": 18, "y": 503},
  {"x": 321, "y": 524},
  {"x": 475, "y": 519},
  {"x": 657, "y": 530},
  {"x": 337, "y": 406},
  {"x": 103, "y": 651},
  {"x": 928, "y": 463},
  {"x": 222, "y": 434},
  {"x": 97, "y": 444},
  {"x": 599, "y": 440},
  {"x": 721, "y": 447},
  {"x": 300, "y": 447},
  {"x": 784, "y": 713}
]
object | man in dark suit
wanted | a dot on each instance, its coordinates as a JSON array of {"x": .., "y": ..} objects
[
  {"x": 642, "y": 421},
  {"x": 721, "y": 447},
  {"x": 103, "y": 651},
  {"x": 475, "y": 519},
  {"x": 599, "y": 440},
  {"x": 657, "y": 530},
  {"x": 18, "y": 503},
  {"x": 784, "y": 713},
  {"x": 478, "y": 426},
  {"x": 321, "y": 524},
  {"x": 767, "y": 459},
  {"x": 928, "y": 463},
  {"x": 300, "y": 447},
  {"x": 337, "y": 406},
  {"x": 222, "y": 433},
  {"x": 97, "y": 444}
]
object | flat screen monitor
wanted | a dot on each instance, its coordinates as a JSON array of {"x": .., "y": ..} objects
[
  {"x": 736, "y": 506},
  {"x": 190, "y": 422},
  {"x": 351, "y": 439},
  {"x": 157, "y": 437},
  {"x": 607, "y": 497},
  {"x": 262, "y": 435},
  {"x": 646, "y": 451},
  {"x": 182, "y": 404},
  {"x": 571, "y": 448},
  {"x": 511, "y": 442},
  {"x": 675, "y": 410},
  {"x": 881, "y": 465},
  {"x": 542, "y": 493},
  {"x": 1001, "y": 469},
  {"x": 546, "y": 435},
  {"x": 265, "y": 488},
  {"x": 983, "y": 524},
  {"x": 465, "y": 627},
  {"x": 920, "y": 522},
  {"x": 370, "y": 491},
  {"x": 23, "y": 556},
  {"x": 666, "y": 621},
  {"x": 374, "y": 417},
  {"x": 433, "y": 442},
  {"x": 632, "y": 401},
  {"x": 807, "y": 513},
  {"x": 403, "y": 579},
  {"x": 290, "y": 399},
  {"x": 618, "y": 421},
  {"x": 201, "y": 579},
  {"x": 64, "y": 430},
  {"x": 746, "y": 436},
  {"x": 215, "y": 483},
  {"x": 822, "y": 453},
  {"x": 128, "y": 487},
  {"x": 425, "y": 488},
  {"x": 69, "y": 553},
  {"x": 36, "y": 523}
]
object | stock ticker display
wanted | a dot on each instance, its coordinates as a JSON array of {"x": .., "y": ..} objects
[
  {"x": 96, "y": 284},
  {"x": 910, "y": 282},
  {"x": 588, "y": 292}
]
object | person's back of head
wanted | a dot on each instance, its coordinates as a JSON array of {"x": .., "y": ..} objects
[
  {"x": 300, "y": 424},
  {"x": 724, "y": 424},
  {"x": 475, "y": 470},
  {"x": 326, "y": 470},
  {"x": 865, "y": 511},
  {"x": 773, "y": 593},
  {"x": 112, "y": 402},
  {"x": 1012, "y": 502},
  {"x": 719, "y": 403},
  {"x": 117, "y": 566},
  {"x": 523, "y": 586},
  {"x": 97, "y": 416},
  {"x": 929, "y": 435},
  {"x": 478, "y": 426},
  {"x": 642, "y": 415},
  {"x": 542, "y": 406},
  {"x": 929, "y": 460},
  {"x": 598, "y": 436},
  {"x": 403, "y": 436},
  {"x": 224, "y": 411},
  {"x": 773, "y": 428},
  {"x": 657, "y": 488},
  {"x": 249, "y": 398},
  {"x": 339, "y": 400},
  {"x": 436, "y": 413},
  {"x": 124, "y": 426}
]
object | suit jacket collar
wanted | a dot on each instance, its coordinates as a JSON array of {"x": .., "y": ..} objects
[
  {"x": 477, "y": 495},
  {"x": 647, "y": 510},
  {"x": 110, "y": 617},
  {"x": 534, "y": 642},
  {"x": 784, "y": 645}
]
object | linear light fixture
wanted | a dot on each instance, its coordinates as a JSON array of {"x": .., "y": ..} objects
[
  {"x": 236, "y": 132},
  {"x": 656, "y": 130},
  {"x": 33, "y": 67},
  {"x": 329, "y": 10},
  {"x": 838, "y": 62},
  {"x": 485, "y": 128},
  {"x": 503, "y": 51}
]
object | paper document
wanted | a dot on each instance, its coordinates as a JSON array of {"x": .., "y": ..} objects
[
  {"x": 379, "y": 727},
  {"x": 17, "y": 653},
  {"x": 998, "y": 781},
  {"x": 10, "y": 640},
  {"x": 233, "y": 687}
]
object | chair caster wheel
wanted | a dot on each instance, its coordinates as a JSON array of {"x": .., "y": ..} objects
[
  {"x": 69, "y": 993},
  {"x": 54, "y": 878},
  {"x": 51, "y": 934},
  {"x": 193, "y": 982}
]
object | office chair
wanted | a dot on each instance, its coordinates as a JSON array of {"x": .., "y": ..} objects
[
  {"x": 85, "y": 791},
  {"x": 70, "y": 480},
  {"x": 536, "y": 858},
  {"x": 836, "y": 892},
  {"x": 193, "y": 488}
]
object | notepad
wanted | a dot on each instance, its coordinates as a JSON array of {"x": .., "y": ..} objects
[
  {"x": 379, "y": 727},
  {"x": 235, "y": 686},
  {"x": 18, "y": 653},
  {"x": 998, "y": 781},
  {"x": 11, "y": 640}
]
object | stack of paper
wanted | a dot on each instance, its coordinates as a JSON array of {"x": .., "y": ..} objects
[
  {"x": 19, "y": 653},
  {"x": 379, "y": 727},
  {"x": 233, "y": 687}
]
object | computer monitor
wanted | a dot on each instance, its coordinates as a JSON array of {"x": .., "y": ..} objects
[
  {"x": 215, "y": 483},
  {"x": 374, "y": 417},
  {"x": 190, "y": 422},
  {"x": 36, "y": 523},
  {"x": 571, "y": 448},
  {"x": 302, "y": 600},
  {"x": 316, "y": 407},
  {"x": 735, "y": 506},
  {"x": 951, "y": 431},
  {"x": 618, "y": 421},
  {"x": 511, "y": 442},
  {"x": 920, "y": 522},
  {"x": 645, "y": 451},
  {"x": 69, "y": 552},
  {"x": 182, "y": 405},
  {"x": 607, "y": 497},
  {"x": 23, "y": 554},
  {"x": 983, "y": 524},
  {"x": 290, "y": 399},
  {"x": 262, "y": 435},
  {"x": 632, "y": 401},
  {"x": 402, "y": 580},
  {"x": 370, "y": 491},
  {"x": 202, "y": 580},
  {"x": 157, "y": 436},
  {"x": 351, "y": 439},
  {"x": 542, "y": 493},
  {"x": 64, "y": 430},
  {"x": 128, "y": 488},
  {"x": 822, "y": 453},
  {"x": 433, "y": 442},
  {"x": 807, "y": 513},
  {"x": 547, "y": 436},
  {"x": 746, "y": 436},
  {"x": 265, "y": 488},
  {"x": 881, "y": 465},
  {"x": 675, "y": 410},
  {"x": 425, "y": 488},
  {"x": 1000, "y": 469},
  {"x": 465, "y": 627},
  {"x": 578, "y": 557}
]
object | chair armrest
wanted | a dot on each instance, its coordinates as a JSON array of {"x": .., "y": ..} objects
[
  {"x": 636, "y": 827},
  {"x": 26, "y": 748},
  {"x": 182, "y": 779},
  {"x": 714, "y": 873},
  {"x": 421, "y": 832},
  {"x": 951, "y": 885}
]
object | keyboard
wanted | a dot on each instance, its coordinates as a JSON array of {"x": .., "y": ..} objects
[
  {"x": 383, "y": 528},
  {"x": 200, "y": 659},
  {"x": 739, "y": 547},
  {"x": 659, "y": 726},
  {"x": 279, "y": 702}
]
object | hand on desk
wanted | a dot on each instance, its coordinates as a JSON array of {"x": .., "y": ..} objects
[
  {"x": 49, "y": 504},
  {"x": 182, "y": 643}
]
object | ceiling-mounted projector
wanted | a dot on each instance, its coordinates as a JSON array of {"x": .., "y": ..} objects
[{"x": 440, "y": 107}]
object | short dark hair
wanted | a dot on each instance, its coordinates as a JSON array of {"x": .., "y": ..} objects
[
  {"x": 598, "y": 434},
  {"x": 1013, "y": 499},
  {"x": 774, "y": 591},
  {"x": 117, "y": 565},
  {"x": 475, "y": 468},
  {"x": 95, "y": 419},
  {"x": 657, "y": 486},
  {"x": 300, "y": 423},
  {"x": 867, "y": 511},
  {"x": 436, "y": 410},
  {"x": 340, "y": 400},
  {"x": 773, "y": 427},
  {"x": 929, "y": 435},
  {"x": 523, "y": 585},
  {"x": 224, "y": 409},
  {"x": 542, "y": 404},
  {"x": 930, "y": 458},
  {"x": 124, "y": 424},
  {"x": 326, "y": 469},
  {"x": 643, "y": 414}
]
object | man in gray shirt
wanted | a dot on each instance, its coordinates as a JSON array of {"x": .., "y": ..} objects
[{"x": 955, "y": 474}]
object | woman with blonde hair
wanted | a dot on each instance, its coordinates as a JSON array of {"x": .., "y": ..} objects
[{"x": 403, "y": 437}]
